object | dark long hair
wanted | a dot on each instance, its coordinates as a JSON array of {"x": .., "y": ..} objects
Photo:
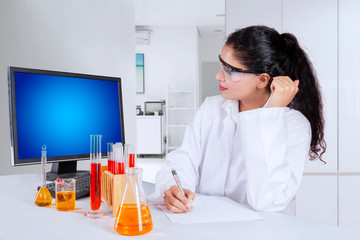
[{"x": 263, "y": 49}]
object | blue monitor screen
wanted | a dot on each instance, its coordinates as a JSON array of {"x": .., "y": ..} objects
[{"x": 61, "y": 111}]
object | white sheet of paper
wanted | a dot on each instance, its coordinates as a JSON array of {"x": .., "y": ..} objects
[{"x": 213, "y": 209}]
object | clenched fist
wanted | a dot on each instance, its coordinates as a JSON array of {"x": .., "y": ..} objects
[{"x": 283, "y": 91}]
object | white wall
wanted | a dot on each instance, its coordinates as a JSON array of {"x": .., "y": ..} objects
[
  {"x": 242, "y": 13},
  {"x": 349, "y": 113},
  {"x": 349, "y": 86},
  {"x": 171, "y": 56},
  {"x": 209, "y": 49},
  {"x": 93, "y": 37}
]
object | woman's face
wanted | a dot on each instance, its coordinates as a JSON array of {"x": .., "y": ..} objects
[{"x": 236, "y": 86}]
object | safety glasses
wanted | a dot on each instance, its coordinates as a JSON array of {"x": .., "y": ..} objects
[{"x": 233, "y": 73}]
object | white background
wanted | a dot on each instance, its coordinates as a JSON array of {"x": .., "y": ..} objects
[{"x": 71, "y": 36}]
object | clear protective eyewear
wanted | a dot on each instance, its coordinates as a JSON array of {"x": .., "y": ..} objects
[{"x": 233, "y": 73}]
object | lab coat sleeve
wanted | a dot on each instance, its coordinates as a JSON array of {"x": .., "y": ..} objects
[
  {"x": 277, "y": 142},
  {"x": 185, "y": 160}
]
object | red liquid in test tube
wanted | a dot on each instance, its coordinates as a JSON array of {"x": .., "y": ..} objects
[
  {"x": 119, "y": 158},
  {"x": 121, "y": 168},
  {"x": 111, "y": 166},
  {"x": 95, "y": 186},
  {"x": 95, "y": 177},
  {"x": 131, "y": 160},
  {"x": 130, "y": 155},
  {"x": 110, "y": 156}
]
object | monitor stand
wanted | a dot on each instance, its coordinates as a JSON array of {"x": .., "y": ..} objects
[{"x": 64, "y": 170}]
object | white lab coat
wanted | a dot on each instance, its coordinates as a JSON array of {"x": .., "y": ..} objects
[{"x": 253, "y": 157}]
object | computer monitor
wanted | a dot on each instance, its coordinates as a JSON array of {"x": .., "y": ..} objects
[{"x": 61, "y": 110}]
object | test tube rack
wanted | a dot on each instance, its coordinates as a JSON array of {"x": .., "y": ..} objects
[{"x": 112, "y": 190}]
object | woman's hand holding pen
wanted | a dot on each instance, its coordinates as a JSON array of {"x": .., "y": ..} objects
[
  {"x": 283, "y": 91},
  {"x": 175, "y": 200}
]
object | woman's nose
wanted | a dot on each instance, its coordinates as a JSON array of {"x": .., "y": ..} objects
[{"x": 220, "y": 76}]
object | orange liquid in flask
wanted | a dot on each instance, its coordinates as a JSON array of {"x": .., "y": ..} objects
[
  {"x": 43, "y": 197},
  {"x": 127, "y": 221}
]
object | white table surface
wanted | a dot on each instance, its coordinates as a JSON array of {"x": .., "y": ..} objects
[{"x": 21, "y": 219}]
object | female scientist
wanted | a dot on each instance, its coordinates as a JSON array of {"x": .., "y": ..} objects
[{"x": 250, "y": 144}]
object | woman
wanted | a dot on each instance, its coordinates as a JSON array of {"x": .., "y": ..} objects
[{"x": 250, "y": 144}]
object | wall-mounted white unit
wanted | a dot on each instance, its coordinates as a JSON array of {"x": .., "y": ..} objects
[{"x": 142, "y": 36}]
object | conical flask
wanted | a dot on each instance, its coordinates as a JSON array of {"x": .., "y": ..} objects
[{"x": 133, "y": 217}]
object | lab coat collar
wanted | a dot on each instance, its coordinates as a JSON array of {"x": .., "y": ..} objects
[
  {"x": 265, "y": 106},
  {"x": 231, "y": 107}
]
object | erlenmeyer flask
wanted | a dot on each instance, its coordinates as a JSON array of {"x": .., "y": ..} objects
[{"x": 133, "y": 217}]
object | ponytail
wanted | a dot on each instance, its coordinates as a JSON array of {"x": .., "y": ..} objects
[
  {"x": 263, "y": 49},
  {"x": 308, "y": 100}
]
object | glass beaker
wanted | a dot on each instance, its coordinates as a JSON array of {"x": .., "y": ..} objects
[
  {"x": 133, "y": 217},
  {"x": 65, "y": 194},
  {"x": 95, "y": 177}
]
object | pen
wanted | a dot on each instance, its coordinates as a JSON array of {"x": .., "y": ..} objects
[{"x": 178, "y": 183}]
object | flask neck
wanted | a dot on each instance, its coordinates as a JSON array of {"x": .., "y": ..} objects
[
  {"x": 134, "y": 181},
  {"x": 134, "y": 172},
  {"x": 43, "y": 171}
]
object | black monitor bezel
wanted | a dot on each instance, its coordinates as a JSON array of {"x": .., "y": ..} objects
[{"x": 13, "y": 118}]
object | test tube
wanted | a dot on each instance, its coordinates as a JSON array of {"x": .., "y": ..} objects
[
  {"x": 119, "y": 158},
  {"x": 130, "y": 155},
  {"x": 110, "y": 157},
  {"x": 95, "y": 177}
]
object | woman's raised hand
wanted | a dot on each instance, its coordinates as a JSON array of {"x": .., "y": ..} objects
[{"x": 283, "y": 91}]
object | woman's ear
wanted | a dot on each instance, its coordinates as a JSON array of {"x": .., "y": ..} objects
[{"x": 263, "y": 80}]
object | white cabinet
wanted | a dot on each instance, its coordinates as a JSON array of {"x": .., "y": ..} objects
[
  {"x": 317, "y": 199},
  {"x": 150, "y": 135},
  {"x": 349, "y": 201},
  {"x": 349, "y": 85}
]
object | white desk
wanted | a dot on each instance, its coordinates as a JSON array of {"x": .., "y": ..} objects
[{"x": 21, "y": 219}]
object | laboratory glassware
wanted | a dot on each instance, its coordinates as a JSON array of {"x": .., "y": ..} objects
[
  {"x": 95, "y": 177},
  {"x": 110, "y": 157},
  {"x": 130, "y": 155},
  {"x": 65, "y": 196},
  {"x": 43, "y": 197},
  {"x": 133, "y": 217},
  {"x": 119, "y": 158}
]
